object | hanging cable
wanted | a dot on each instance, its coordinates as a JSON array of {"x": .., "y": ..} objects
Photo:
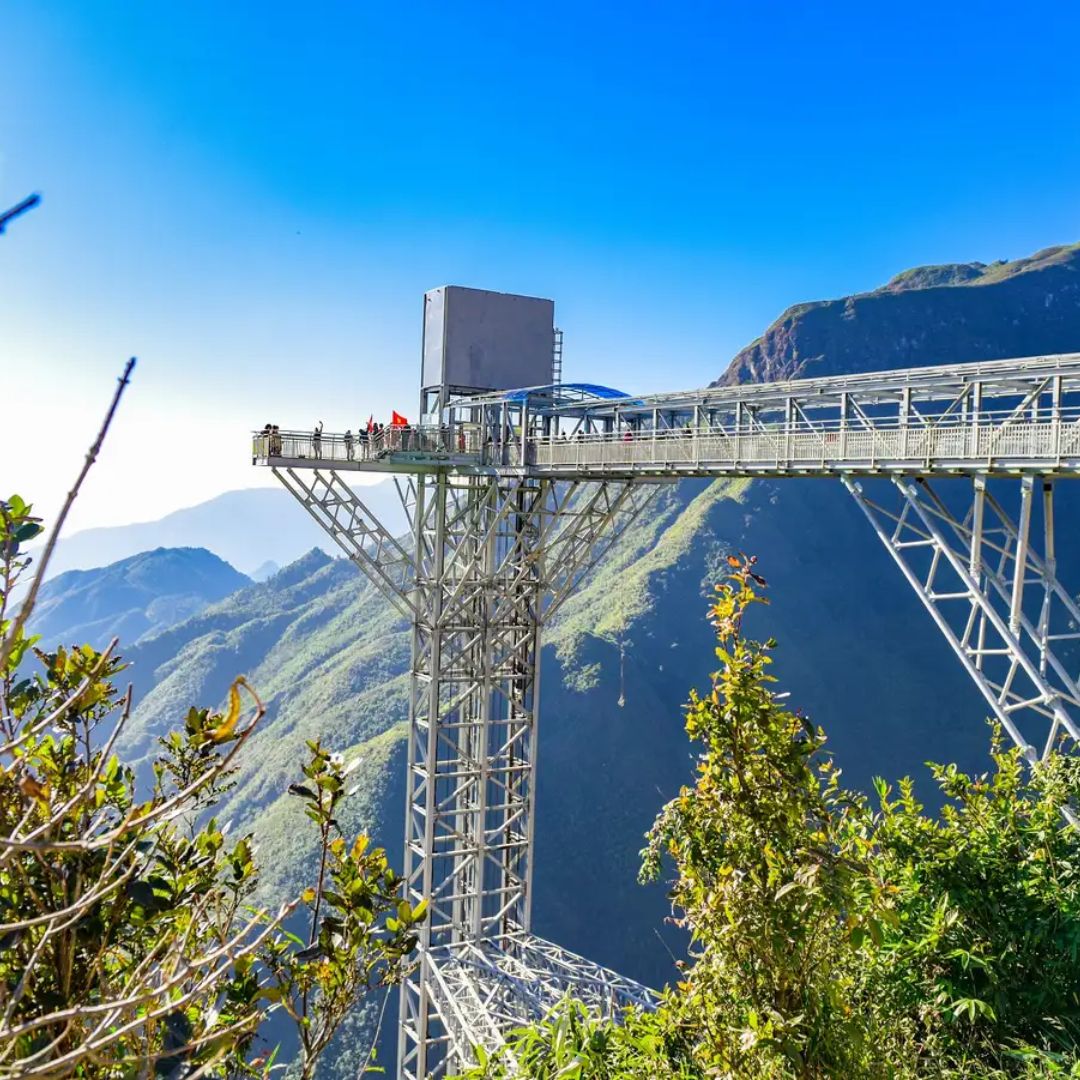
[
  {"x": 366, "y": 1060},
  {"x": 622, "y": 674}
]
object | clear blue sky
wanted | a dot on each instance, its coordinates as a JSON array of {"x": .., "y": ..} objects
[{"x": 252, "y": 197}]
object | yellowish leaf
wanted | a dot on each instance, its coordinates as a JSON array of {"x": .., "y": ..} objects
[
  {"x": 32, "y": 789},
  {"x": 227, "y": 726}
]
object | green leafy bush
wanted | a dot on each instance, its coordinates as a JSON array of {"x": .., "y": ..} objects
[{"x": 130, "y": 943}]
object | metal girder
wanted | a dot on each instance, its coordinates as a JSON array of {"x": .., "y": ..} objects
[
  {"x": 990, "y": 584},
  {"x": 356, "y": 530},
  {"x": 493, "y": 552},
  {"x": 483, "y": 990}
]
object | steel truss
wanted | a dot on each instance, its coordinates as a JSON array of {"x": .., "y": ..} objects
[
  {"x": 356, "y": 530},
  {"x": 483, "y": 991},
  {"x": 493, "y": 557},
  {"x": 990, "y": 584}
]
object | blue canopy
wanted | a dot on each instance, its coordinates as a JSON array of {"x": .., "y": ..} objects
[{"x": 554, "y": 390}]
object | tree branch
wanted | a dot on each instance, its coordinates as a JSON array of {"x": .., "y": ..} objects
[{"x": 91, "y": 456}]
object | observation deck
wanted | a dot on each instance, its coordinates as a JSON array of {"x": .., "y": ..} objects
[{"x": 1001, "y": 418}]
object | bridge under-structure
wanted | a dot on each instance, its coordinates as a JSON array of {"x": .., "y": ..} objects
[{"x": 513, "y": 495}]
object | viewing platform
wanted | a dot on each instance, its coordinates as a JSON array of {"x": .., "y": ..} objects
[{"x": 1007, "y": 417}]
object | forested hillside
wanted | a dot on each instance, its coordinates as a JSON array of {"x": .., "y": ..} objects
[{"x": 132, "y": 598}]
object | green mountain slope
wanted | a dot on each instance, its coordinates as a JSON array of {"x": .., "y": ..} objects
[{"x": 132, "y": 598}]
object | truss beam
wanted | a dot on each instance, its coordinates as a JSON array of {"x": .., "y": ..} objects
[
  {"x": 990, "y": 584},
  {"x": 356, "y": 530},
  {"x": 483, "y": 990}
]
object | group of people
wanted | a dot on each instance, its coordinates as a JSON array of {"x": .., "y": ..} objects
[
  {"x": 368, "y": 439},
  {"x": 370, "y": 434},
  {"x": 272, "y": 434}
]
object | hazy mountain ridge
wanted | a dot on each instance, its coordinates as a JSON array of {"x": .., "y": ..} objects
[
  {"x": 249, "y": 528},
  {"x": 133, "y": 598},
  {"x": 955, "y": 313}
]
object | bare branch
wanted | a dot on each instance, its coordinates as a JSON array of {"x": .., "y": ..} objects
[
  {"x": 9, "y": 215},
  {"x": 27, "y": 605}
]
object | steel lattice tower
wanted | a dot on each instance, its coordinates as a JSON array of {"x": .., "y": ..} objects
[
  {"x": 494, "y": 558},
  {"x": 513, "y": 495}
]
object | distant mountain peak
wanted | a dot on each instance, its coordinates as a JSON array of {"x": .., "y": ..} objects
[
  {"x": 139, "y": 595},
  {"x": 300, "y": 569},
  {"x": 264, "y": 571},
  {"x": 941, "y": 314}
]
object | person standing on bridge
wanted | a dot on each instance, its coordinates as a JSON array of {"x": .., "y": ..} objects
[
  {"x": 316, "y": 440},
  {"x": 348, "y": 444}
]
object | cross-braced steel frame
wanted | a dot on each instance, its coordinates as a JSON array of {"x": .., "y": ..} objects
[
  {"x": 493, "y": 557},
  {"x": 514, "y": 496},
  {"x": 989, "y": 581}
]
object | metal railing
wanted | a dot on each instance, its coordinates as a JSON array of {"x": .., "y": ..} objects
[
  {"x": 340, "y": 448},
  {"x": 947, "y": 443},
  {"x": 825, "y": 448}
]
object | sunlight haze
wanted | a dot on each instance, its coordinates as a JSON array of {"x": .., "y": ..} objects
[{"x": 253, "y": 202}]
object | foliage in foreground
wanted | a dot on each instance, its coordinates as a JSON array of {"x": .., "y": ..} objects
[
  {"x": 130, "y": 945},
  {"x": 832, "y": 936}
]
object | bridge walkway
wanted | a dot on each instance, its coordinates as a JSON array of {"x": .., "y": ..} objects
[{"x": 1002, "y": 418}]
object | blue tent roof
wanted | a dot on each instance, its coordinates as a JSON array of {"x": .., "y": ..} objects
[
  {"x": 584, "y": 389},
  {"x": 595, "y": 390}
]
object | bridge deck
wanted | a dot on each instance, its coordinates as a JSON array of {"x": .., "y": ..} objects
[{"x": 1001, "y": 418}]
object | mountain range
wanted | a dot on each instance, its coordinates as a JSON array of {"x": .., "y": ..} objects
[
  {"x": 856, "y": 649},
  {"x": 133, "y": 598},
  {"x": 248, "y": 529}
]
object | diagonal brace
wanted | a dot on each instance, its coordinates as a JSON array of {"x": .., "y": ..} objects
[{"x": 356, "y": 530}]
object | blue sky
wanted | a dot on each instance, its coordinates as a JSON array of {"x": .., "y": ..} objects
[{"x": 252, "y": 197}]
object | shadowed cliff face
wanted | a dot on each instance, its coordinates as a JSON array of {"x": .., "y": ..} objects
[{"x": 931, "y": 315}]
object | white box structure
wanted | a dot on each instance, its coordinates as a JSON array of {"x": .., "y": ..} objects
[{"x": 476, "y": 341}]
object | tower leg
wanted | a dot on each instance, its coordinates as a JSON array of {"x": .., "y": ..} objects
[
  {"x": 473, "y": 701},
  {"x": 993, "y": 594}
]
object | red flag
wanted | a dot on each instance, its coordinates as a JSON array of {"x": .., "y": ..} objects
[
  {"x": 371, "y": 423},
  {"x": 397, "y": 420}
]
